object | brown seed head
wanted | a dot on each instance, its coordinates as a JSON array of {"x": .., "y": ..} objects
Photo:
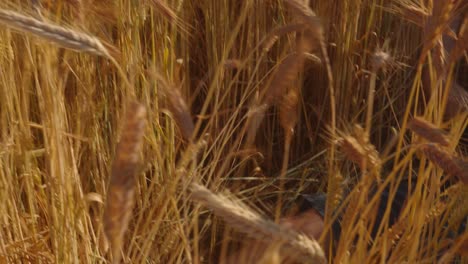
[
  {"x": 428, "y": 131},
  {"x": 380, "y": 59},
  {"x": 178, "y": 107},
  {"x": 449, "y": 163},
  {"x": 359, "y": 149},
  {"x": 288, "y": 110},
  {"x": 120, "y": 194},
  {"x": 64, "y": 37}
]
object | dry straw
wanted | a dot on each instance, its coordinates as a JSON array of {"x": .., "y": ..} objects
[
  {"x": 249, "y": 222},
  {"x": 120, "y": 195},
  {"x": 169, "y": 14},
  {"x": 66, "y": 38}
]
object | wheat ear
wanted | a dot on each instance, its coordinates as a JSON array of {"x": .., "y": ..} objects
[
  {"x": 245, "y": 220},
  {"x": 360, "y": 150},
  {"x": 302, "y": 10},
  {"x": 66, "y": 38},
  {"x": 449, "y": 163},
  {"x": 177, "y": 106},
  {"x": 120, "y": 195},
  {"x": 429, "y": 131}
]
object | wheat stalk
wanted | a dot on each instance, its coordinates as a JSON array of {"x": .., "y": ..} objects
[
  {"x": 63, "y": 37},
  {"x": 120, "y": 195},
  {"x": 249, "y": 222},
  {"x": 413, "y": 13}
]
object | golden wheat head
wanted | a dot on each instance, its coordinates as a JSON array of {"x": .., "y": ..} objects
[
  {"x": 448, "y": 162},
  {"x": 247, "y": 221},
  {"x": 428, "y": 131},
  {"x": 66, "y": 38},
  {"x": 177, "y": 106},
  {"x": 360, "y": 150},
  {"x": 120, "y": 194}
]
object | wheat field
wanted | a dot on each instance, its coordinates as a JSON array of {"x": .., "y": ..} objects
[{"x": 183, "y": 131}]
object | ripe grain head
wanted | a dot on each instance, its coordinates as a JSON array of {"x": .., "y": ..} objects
[
  {"x": 120, "y": 194},
  {"x": 61, "y": 36},
  {"x": 428, "y": 131},
  {"x": 249, "y": 222}
]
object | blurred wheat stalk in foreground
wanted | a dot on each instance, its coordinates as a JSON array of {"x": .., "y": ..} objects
[{"x": 120, "y": 195}]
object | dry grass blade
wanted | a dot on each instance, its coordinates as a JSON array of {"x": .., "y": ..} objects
[
  {"x": 448, "y": 162},
  {"x": 249, "y": 222},
  {"x": 120, "y": 194},
  {"x": 64, "y": 37},
  {"x": 411, "y": 12},
  {"x": 169, "y": 14},
  {"x": 428, "y": 131}
]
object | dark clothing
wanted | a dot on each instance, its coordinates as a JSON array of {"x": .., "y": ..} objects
[
  {"x": 318, "y": 201},
  {"x": 397, "y": 203}
]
